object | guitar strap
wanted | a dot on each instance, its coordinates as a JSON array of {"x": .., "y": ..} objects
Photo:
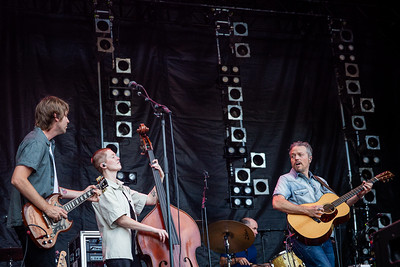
[
  {"x": 323, "y": 183},
  {"x": 133, "y": 232}
]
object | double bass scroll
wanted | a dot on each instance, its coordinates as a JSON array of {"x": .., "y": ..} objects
[{"x": 152, "y": 250}]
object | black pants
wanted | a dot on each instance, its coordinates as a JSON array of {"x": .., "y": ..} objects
[
  {"x": 35, "y": 256},
  {"x": 123, "y": 262}
]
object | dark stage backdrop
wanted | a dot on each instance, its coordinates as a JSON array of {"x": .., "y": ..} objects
[{"x": 289, "y": 92}]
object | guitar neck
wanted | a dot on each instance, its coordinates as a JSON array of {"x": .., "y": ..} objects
[
  {"x": 74, "y": 203},
  {"x": 352, "y": 193}
]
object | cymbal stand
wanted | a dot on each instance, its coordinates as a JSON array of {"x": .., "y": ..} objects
[{"x": 228, "y": 256}]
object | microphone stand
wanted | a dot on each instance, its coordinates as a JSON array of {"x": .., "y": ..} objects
[
  {"x": 159, "y": 111},
  {"x": 204, "y": 214}
]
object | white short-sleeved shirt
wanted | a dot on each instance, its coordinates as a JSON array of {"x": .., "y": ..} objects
[{"x": 117, "y": 240}]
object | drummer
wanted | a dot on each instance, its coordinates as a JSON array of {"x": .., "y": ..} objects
[{"x": 247, "y": 257}]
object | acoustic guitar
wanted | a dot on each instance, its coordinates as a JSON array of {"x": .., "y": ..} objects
[
  {"x": 315, "y": 231},
  {"x": 42, "y": 229}
]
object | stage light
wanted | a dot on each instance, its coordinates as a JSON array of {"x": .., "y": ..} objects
[
  {"x": 261, "y": 186},
  {"x": 235, "y": 151},
  {"x": 370, "y": 232},
  {"x": 124, "y": 129},
  {"x": 366, "y": 173},
  {"x": 123, "y": 65},
  {"x": 127, "y": 177},
  {"x": 346, "y": 35},
  {"x": 242, "y": 175},
  {"x": 370, "y": 197},
  {"x": 105, "y": 45},
  {"x": 235, "y": 94},
  {"x": 367, "y": 105},
  {"x": 235, "y": 112},
  {"x": 372, "y": 142},
  {"x": 240, "y": 29},
  {"x": 238, "y": 202},
  {"x": 102, "y": 25},
  {"x": 351, "y": 70},
  {"x": 242, "y": 50},
  {"x": 238, "y": 134},
  {"x": 358, "y": 122},
  {"x": 353, "y": 87},
  {"x": 229, "y": 75},
  {"x": 123, "y": 108},
  {"x": 371, "y": 160},
  {"x": 384, "y": 220},
  {"x": 114, "y": 146},
  {"x": 257, "y": 160},
  {"x": 118, "y": 86}
]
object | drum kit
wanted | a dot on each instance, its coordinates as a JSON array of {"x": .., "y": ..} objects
[{"x": 230, "y": 237}]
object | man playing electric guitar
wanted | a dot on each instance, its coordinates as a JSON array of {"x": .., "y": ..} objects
[
  {"x": 300, "y": 186},
  {"x": 35, "y": 177}
]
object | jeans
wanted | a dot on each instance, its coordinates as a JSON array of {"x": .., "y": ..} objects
[{"x": 315, "y": 256}]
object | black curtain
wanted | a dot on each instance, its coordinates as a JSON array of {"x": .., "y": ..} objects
[{"x": 289, "y": 91}]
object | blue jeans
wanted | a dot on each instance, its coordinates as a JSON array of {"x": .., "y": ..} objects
[{"x": 315, "y": 256}]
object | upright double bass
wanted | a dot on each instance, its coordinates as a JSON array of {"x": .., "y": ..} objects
[{"x": 185, "y": 234}]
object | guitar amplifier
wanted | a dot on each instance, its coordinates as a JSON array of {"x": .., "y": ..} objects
[{"x": 86, "y": 250}]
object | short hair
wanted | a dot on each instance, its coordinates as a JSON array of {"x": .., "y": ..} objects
[
  {"x": 45, "y": 110},
  {"x": 99, "y": 157},
  {"x": 246, "y": 220},
  {"x": 302, "y": 143}
]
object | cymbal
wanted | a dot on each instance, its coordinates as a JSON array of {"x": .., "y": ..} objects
[
  {"x": 239, "y": 235},
  {"x": 8, "y": 254}
]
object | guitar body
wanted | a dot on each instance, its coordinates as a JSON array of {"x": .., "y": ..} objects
[
  {"x": 313, "y": 231},
  {"x": 42, "y": 229}
]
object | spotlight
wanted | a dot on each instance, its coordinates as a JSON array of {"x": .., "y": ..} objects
[
  {"x": 242, "y": 50},
  {"x": 240, "y": 29},
  {"x": 123, "y": 65},
  {"x": 102, "y": 25},
  {"x": 370, "y": 197},
  {"x": 261, "y": 186},
  {"x": 384, "y": 220},
  {"x": 346, "y": 35},
  {"x": 351, "y": 69},
  {"x": 105, "y": 45},
  {"x": 372, "y": 142},
  {"x": 358, "y": 122},
  {"x": 234, "y": 151},
  {"x": 353, "y": 87},
  {"x": 123, "y": 108},
  {"x": 241, "y": 190},
  {"x": 367, "y": 105},
  {"x": 238, "y": 202},
  {"x": 371, "y": 160},
  {"x": 366, "y": 173},
  {"x": 114, "y": 146},
  {"x": 235, "y": 94},
  {"x": 235, "y": 112},
  {"x": 370, "y": 232},
  {"x": 229, "y": 75},
  {"x": 238, "y": 134},
  {"x": 124, "y": 129},
  {"x": 242, "y": 175},
  {"x": 257, "y": 160},
  {"x": 127, "y": 177}
]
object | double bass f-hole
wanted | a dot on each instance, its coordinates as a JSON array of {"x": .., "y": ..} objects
[{"x": 153, "y": 251}]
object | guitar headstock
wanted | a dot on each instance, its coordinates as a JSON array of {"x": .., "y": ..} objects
[
  {"x": 61, "y": 261},
  {"x": 385, "y": 176},
  {"x": 145, "y": 143},
  {"x": 101, "y": 183}
]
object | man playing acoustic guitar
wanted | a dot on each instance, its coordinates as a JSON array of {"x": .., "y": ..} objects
[
  {"x": 35, "y": 178},
  {"x": 299, "y": 187}
]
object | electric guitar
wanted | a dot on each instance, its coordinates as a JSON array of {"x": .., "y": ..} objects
[
  {"x": 314, "y": 231},
  {"x": 61, "y": 261},
  {"x": 42, "y": 229}
]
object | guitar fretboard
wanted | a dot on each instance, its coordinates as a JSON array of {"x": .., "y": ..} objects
[{"x": 352, "y": 193}]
